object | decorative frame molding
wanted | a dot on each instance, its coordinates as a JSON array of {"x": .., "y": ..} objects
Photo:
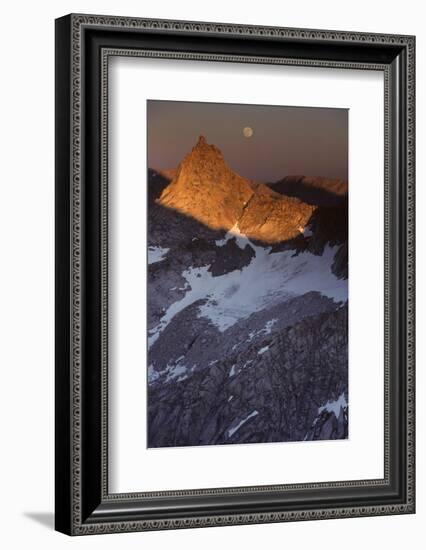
[{"x": 83, "y": 504}]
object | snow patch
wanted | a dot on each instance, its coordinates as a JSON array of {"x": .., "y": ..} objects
[
  {"x": 307, "y": 231},
  {"x": 262, "y": 350},
  {"x": 234, "y": 233},
  {"x": 153, "y": 375},
  {"x": 268, "y": 279},
  {"x": 334, "y": 406},
  {"x": 233, "y": 429},
  {"x": 175, "y": 371},
  {"x": 267, "y": 329},
  {"x": 156, "y": 254},
  {"x": 172, "y": 371},
  {"x": 233, "y": 371}
]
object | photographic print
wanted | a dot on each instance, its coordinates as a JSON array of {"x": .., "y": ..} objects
[{"x": 247, "y": 273}]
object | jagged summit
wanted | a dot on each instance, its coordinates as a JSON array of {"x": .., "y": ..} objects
[
  {"x": 201, "y": 142},
  {"x": 205, "y": 162},
  {"x": 207, "y": 189},
  {"x": 204, "y": 148},
  {"x": 202, "y": 152}
]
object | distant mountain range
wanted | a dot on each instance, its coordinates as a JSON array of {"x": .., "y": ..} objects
[
  {"x": 318, "y": 191},
  {"x": 247, "y": 306}
]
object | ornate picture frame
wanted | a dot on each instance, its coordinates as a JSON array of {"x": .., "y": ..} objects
[{"x": 84, "y": 45}]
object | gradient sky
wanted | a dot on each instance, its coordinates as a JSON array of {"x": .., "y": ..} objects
[{"x": 308, "y": 141}]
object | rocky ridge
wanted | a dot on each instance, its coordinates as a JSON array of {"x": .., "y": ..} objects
[
  {"x": 231, "y": 201},
  {"x": 318, "y": 191}
]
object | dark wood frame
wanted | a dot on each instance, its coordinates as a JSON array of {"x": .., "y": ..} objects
[{"x": 83, "y": 46}]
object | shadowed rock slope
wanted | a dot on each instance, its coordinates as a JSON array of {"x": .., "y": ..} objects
[
  {"x": 275, "y": 396},
  {"x": 317, "y": 190}
]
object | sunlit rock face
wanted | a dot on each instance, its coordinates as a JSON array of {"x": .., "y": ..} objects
[
  {"x": 247, "y": 307},
  {"x": 206, "y": 189}
]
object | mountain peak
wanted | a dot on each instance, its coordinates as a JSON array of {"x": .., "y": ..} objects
[
  {"x": 207, "y": 189},
  {"x": 201, "y": 140},
  {"x": 205, "y": 151}
]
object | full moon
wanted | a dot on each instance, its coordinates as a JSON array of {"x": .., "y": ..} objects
[{"x": 248, "y": 132}]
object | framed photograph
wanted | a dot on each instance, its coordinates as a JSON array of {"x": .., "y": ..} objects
[{"x": 234, "y": 274}]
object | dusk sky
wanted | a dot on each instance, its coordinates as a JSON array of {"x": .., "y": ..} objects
[{"x": 285, "y": 141}]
